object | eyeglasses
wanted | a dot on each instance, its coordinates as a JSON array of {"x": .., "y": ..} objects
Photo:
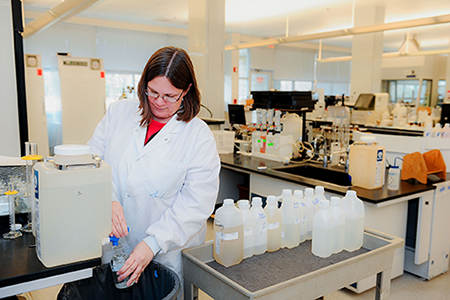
[{"x": 165, "y": 98}]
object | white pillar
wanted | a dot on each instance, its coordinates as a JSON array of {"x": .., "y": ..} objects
[
  {"x": 9, "y": 118},
  {"x": 447, "y": 80},
  {"x": 367, "y": 50},
  {"x": 232, "y": 70},
  {"x": 206, "y": 48}
]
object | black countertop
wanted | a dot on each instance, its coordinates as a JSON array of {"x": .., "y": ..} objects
[
  {"x": 250, "y": 164},
  {"x": 20, "y": 264}
]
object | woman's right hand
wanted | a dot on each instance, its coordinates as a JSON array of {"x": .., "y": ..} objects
[{"x": 119, "y": 225}]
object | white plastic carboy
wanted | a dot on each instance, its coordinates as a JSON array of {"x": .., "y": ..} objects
[{"x": 73, "y": 205}]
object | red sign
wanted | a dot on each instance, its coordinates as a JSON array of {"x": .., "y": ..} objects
[
  {"x": 102, "y": 74},
  {"x": 259, "y": 79},
  {"x": 235, "y": 69},
  {"x": 39, "y": 72}
]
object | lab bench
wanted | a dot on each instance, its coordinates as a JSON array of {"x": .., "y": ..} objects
[
  {"x": 425, "y": 229},
  {"x": 21, "y": 270}
]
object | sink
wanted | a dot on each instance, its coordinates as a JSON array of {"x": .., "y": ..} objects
[{"x": 318, "y": 173}]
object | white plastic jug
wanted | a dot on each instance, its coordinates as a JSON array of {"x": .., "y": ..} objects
[
  {"x": 322, "y": 235},
  {"x": 319, "y": 194},
  {"x": 354, "y": 221},
  {"x": 290, "y": 220},
  {"x": 292, "y": 125},
  {"x": 304, "y": 215},
  {"x": 366, "y": 160},
  {"x": 273, "y": 224},
  {"x": 249, "y": 225},
  {"x": 229, "y": 233},
  {"x": 309, "y": 199},
  {"x": 260, "y": 229},
  {"x": 72, "y": 205},
  {"x": 339, "y": 224}
]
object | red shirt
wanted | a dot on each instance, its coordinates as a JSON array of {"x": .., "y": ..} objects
[{"x": 153, "y": 129}]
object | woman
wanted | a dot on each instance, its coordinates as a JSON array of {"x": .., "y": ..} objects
[{"x": 164, "y": 162}]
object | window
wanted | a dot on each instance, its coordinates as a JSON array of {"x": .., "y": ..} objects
[
  {"x": 407, "y": 91},
  {"x": 292, "y": 85},
  {"x": 441, "y": 92},
  {"x": 244, "y": 90},
  {"x": 118, "y": 84}
]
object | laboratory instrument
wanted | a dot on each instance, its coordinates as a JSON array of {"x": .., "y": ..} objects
[{"x": 13, "y": 233}]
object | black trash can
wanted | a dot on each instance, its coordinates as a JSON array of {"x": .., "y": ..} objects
[{"x": 156, "y": 283}]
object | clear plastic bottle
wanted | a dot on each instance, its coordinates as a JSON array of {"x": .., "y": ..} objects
[
  {"x": 249, "y": 225},
  {"x": 446, "y": 131},
  {"x": 319, "y": 194},
  {"x": 309, "y": 198},
  {"x": 354, "y": 221},
  {"x": 437, "y": 130},
  {"x": 339, "y": 224},
  {"x": 322, "y": 235},
  {"x": 260, "y": 231},
  {"x": 428, "y": 131},
  {"x": 229, "y": 234},
  {"x": 290, "y": 220},
  {"x": 117, "y": 261},
  {"x": 273, "y": 224},
  {"x": 304, "y": 215}
]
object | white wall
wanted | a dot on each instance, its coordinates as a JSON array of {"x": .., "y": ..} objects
[
  {"x": 9, "y": 122},
  {"x": 121, "y": 50}
]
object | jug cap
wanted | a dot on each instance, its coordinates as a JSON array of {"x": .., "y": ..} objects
[
  {"x": 351, "y": 193},
  {"x": 309, "y": 192},
  {"x": 335, "y": 201},
  {"x": 72, "y": 149},
  {"x": 228, "y": 202},
  {"x": 256, "y": 200},
  {"x": 368, "y": 138},
  {"x": 271, "y": 199},
  {"x": 243, "y": 203},
  {"x": 298, "y": 193},
  {"x": 287, "y": 192},
  {"x": 319, "y": 189}
]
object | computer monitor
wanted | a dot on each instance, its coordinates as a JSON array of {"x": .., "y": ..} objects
[
  {"x": 445, "y": 114},
  {"x": 365, "y": 102},
  {"x": 236, "y": 114}
]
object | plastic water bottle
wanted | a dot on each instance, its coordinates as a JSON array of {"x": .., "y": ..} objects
[
  {"x": 428, "y": 131},
  {"x": 446, "y": 131},
  {"x": 260, "y": 229},
  {"x": 339, "y": 224},
  {"x": 290, "y": 220},
  {"x": 309, "y": 201},
  {"x": 319, "y": 194},
  {"x": 273, "y": 224},
  {"x": 304, "y": 215},
  {"x": 229, "y": 234},
  {"x": 354, "y": 221},
  {"x": 322, "y": 235},
  {"x": 437, "y": 131},
  {"x": 249, "y": 225},
  {"x": 117, "y": 261}
]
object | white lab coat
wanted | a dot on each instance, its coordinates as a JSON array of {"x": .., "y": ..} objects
[{"x": 167, "y": 188}]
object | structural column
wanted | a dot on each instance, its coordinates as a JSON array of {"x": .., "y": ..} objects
[
  {"x": 206, "y": 47},
  {"x": 367, "y": 50},
  {"x": 232, "y": 70}
]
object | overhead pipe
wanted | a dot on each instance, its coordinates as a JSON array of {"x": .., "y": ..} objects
[
  {"x": 388, "y": 54},
  {"x": 344, "y": 32},
  {"x": 59, "y": 13}
]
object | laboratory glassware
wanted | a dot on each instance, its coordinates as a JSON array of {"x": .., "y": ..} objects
[{"x": 13, "y": 233}]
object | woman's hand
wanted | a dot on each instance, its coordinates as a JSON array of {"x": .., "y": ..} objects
[
  {"x": 119, "y": 225},
  {"x": 139, "y": 258}
]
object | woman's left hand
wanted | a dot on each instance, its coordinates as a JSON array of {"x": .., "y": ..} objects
[{"x": 139, "y": 258}]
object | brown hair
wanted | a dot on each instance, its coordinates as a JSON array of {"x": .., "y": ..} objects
[{"x": 176, "y": 65}]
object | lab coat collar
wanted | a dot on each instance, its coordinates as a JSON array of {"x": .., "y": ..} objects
[{"x": 161, "y": 139}]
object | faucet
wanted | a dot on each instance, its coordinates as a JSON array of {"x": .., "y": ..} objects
[
  {"x": 346, "y": 151},
  {"x": 325, "y": 158}
]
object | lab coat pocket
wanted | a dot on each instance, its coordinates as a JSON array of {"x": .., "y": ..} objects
[{"x": 163, "y": 178}]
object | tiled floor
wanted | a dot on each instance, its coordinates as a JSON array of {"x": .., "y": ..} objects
[{"x": 405, "y": 287}]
